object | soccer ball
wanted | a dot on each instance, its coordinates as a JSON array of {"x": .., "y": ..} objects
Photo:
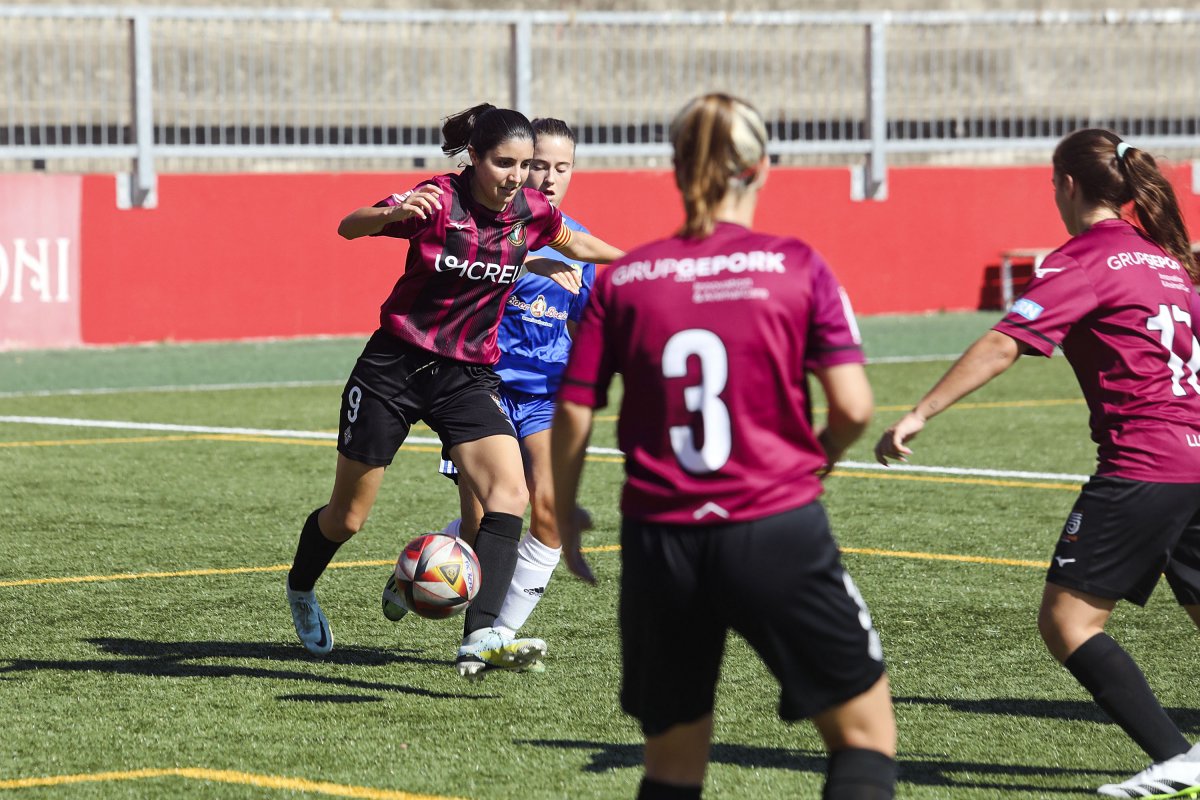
[{"x": 436, "y": 576}]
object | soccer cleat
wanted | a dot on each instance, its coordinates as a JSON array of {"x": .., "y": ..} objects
[
  {"x": 393, "y": 602},
  {"x": 488, "y": 647},
  {"x": 311, "y": 625},
  {"x": 1175, "y": 777}
]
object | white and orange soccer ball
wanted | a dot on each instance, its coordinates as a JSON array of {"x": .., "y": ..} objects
[{"x": 436, "y": 576}]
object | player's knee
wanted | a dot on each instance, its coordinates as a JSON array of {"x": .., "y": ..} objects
[
  {"x": 1059, "y": 636},
  {"x": 507, "y": 498}
]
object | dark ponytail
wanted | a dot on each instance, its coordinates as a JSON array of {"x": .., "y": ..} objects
[
  {"x": 482, "y": 127},
  {"x": 1111, "y": 172}
]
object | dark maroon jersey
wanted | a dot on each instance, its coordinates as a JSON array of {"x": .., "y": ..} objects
[
  {"x": 1125, "y": 315},
  {"x": 461, "y": 266},
  {"x": 713, "y": 339}
]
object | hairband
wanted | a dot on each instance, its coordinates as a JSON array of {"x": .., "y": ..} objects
[{"x": 1122, "y": 148}]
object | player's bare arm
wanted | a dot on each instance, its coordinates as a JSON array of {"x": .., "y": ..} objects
[
  {"x": 851, "y": 406},
  {"x": 372, "y": 219},
  {"x": 585, "y": 247},
  {"x": 568, "y": 444},
  {"x": 990, "y": 355},
  {"x": 564, "y": 275}
]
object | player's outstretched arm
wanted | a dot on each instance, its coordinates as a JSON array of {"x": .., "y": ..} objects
[
  {"x": 586, "y": 247},
  {"x": 568, "y": 444},
  {"x": 372, "y": 219},
  {"x": 990, "y": 355}
]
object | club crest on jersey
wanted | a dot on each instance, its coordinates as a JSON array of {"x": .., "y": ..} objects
[
  {"x": 516, "y": 236},
  {"x": 538, "y": 307}
]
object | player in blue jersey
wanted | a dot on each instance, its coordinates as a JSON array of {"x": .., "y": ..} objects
[{"x": 535, "y": 340}]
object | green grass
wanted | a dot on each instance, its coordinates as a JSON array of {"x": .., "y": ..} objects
[{"x": 203, "y": 671}]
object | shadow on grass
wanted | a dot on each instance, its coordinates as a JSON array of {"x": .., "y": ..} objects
[
  {"x": 328, "y": 698},
  {"x": 189, "y": 660},
  {"x": 913, "y": 771},
  {"x": 1188, "y": 719}
]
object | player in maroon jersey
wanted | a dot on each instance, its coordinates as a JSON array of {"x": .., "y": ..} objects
[
  {"x": 431, "y": 359},
  {"x": 1119, "y": 300},
  {"x": 713, "y": 331}
]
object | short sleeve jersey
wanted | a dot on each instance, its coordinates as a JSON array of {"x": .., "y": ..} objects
[
  {"x": 1125, "y": 315},
  {"x": 713, "y": 338},
  {"x": 462, "y": 263},
  {"x": 534, "y": 340}
]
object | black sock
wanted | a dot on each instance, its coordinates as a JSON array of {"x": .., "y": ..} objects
[
  {"x": 859, "y": 774},
  {"x": 1120, "y": 688},
  {"x": 653, "y": 790},
  {"x": 313, "y": 554},
  {"x": 496, "y": 546}
]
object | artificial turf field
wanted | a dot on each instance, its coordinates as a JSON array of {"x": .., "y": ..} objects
[{"x": 146, "y": 649}]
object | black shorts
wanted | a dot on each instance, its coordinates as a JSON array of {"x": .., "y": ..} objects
[
  {"x": 1123, "y": 535},
  {"x": 776, "y": 581},
  {"x": 394, "y": 384}
]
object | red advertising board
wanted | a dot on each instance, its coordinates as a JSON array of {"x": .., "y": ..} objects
[{"x": 39, "y": 261}]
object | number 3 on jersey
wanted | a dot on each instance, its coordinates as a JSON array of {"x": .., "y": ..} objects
[
  {"x": 703, "y": 398},
  {"x": 1164, "y": 323}
]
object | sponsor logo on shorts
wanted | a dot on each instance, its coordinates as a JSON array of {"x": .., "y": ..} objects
[
  {"x": 1071, "y": 529},
  {"x": 516, "y": 236},
  {"x": 1027, "y": 309},
  {"x": 1062, "y": 562},
  {"x": 347, "y": 436},
  {"x": 1193, "y": 440}
]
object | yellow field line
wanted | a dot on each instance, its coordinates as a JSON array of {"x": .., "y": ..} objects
[
  {"x": 224, "y": 776},
  {"x": 1006, "y": 562},
  {"x": 893, "y": 476},
  {"x": 200, "y": 573},
  {"x": 119, "y": 440},
  {"x": 608, "y": 548}
]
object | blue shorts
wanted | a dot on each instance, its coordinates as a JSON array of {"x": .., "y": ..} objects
[{"x": 529, "y": 414}]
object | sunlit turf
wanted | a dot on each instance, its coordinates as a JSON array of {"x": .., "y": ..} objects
[{"x": 203, "y": 672}]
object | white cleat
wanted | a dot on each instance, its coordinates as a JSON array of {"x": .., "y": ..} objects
[
  {"x": 311, "y": 625},
  {"x": 1175, "y": 777},
  {"x": 489, "y": 648}
]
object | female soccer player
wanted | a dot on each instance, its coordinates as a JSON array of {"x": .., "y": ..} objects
[
  {"x": 713, "y": 331},
  {"x": 431, "y": 359},
  {"x": 1120, "y": 302},
  {"x": 534, "y": 341}
]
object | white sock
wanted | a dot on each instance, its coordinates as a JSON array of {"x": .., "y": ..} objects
[
  {"x": 535, "y": 564},
  {"x": 453, "y": 528}
]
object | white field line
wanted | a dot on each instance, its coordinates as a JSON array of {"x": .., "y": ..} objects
[
  {"x": 596, "y": 451},
  {"x": 227, "y": 387}
]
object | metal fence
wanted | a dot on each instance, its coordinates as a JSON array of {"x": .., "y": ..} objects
[{"x": 141, "y": 90}]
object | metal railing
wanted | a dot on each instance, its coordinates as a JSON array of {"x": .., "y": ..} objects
[{"x": 149, "y": 86}]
